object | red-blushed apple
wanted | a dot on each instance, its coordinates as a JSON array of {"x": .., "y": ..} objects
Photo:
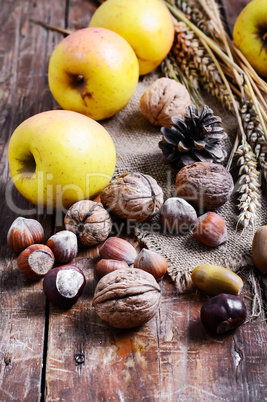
[
  {"x": 145, "y": 24},
  {"x": 93, "y": 71},
  {"x": 250, "y": 34},
  {"x": 59, "y": 157}
]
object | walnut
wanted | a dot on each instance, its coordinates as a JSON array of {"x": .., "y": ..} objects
[
  {"x": 89, "y": 221},
  {"x": 127, "y": 298},
  {"x": 162, "y": 100},
  {"x": 204, "y": 184},
  {"x": 134, "y": 196}
]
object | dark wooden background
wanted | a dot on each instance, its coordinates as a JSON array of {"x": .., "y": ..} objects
[{"x": 55, "y": 355}]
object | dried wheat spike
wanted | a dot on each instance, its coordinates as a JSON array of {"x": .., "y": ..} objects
[
  {"x": 196, "y": 15},
  {"x": 248, "y": 185},
  {"x": 255, "y": 134},
  {"x": 188, "y": 51}
]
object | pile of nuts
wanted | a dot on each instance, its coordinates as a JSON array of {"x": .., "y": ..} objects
[{"x": 127, "y": 293}]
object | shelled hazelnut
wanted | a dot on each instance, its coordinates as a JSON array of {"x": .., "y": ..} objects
[
  {"x": 89, "y": 220},
  {"x": 35, "y": 261},
  {"x": 64, "y": 245},
  {"x": 23, "y": 232}
]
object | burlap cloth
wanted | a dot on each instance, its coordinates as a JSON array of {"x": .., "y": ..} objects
[{"x": 136, "y": 142}]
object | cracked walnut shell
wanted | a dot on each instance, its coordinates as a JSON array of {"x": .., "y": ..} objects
[
  {"x": 164, "y": 99},
  {"x": 134, "y": 196},
  {"x": 127, "y": 298}
]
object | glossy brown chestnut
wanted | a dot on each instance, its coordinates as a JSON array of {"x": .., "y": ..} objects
[
  {"x": 35, "y": 261},
  {"x": 64, "y": 285},
  {"x": 223, "y": 313}
]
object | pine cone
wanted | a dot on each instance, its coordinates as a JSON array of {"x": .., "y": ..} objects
[{"x": 194, "y": 139}]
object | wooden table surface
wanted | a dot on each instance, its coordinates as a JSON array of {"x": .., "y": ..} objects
[{"x": 57, "y": 355}]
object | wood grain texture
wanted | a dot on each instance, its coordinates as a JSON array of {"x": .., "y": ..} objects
[
  {"x": 71, "y": 355},
  {"x": 24, "y": 92}
]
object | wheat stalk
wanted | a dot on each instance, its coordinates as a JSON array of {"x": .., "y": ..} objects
[
  {"x": 187, "y": 50},
  {"x": 248, "y": 185}
]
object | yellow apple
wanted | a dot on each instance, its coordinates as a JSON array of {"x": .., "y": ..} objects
[
  {"x": 93, "y": 71},
  {"x": 250, "y": 34},
  {"x": 145, "y": 24},
  {"x": 59, "y": 157}
]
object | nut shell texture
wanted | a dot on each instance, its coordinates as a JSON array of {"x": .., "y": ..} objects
[
  {"x": 35, "y": 261},
  {"x": 64, "y": 245},
  {"x": 133, "y": 196},
  {"x": 119, "y": 249},
  {"x": 162, "y": 100},
  {"x": 127, "y": 298},
  {"x": 90, "y": 221},
  {"x": 214, "y": 279},
  {"x": 210, "y": 229},
  {"x": 23, "y": 232},
  {"x": 177, "y": 216},
  {"x": 204, "y": 184},
  {"x": 259, "y": 249}
]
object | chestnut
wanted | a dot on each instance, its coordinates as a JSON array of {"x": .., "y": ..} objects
[
  {"x": 64, "y": 285},
  {"x": 223, "y": 313}
]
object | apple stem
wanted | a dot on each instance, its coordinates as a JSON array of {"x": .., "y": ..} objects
[{"x": 52, "y": 27}]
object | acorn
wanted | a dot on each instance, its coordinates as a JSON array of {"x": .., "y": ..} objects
[
  {"x": 151, "y": 262},
  {"x": 23, "y": 232},
  {"x": 35, "y": 261},
  {"x": 64, "y": 245},
  {"x": 214, "y": 279}
]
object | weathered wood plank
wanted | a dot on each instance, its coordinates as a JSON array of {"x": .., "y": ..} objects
[{"x": 24, "y": 92}]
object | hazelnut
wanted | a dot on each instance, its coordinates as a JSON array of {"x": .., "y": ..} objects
[
  {"x": 162, "y": 100},
  {"x": 64, "y": 285},
  {"x": 204, "y": 184},
  {"x": 64, "y": 246},
  {"x": 90, "y": 221},
  {"x": 177, "y": 216},
  {"x": 259, "y": 249},
  {"x": 116, "y": 248},
  {"x": 214, "y": 279},
  {"x": 210, "y": 229},
  {"x": 23, "y": 232},
  {"x": 35, "y": 261},
  {"x": 151, "y": 262},
  {"x": 133, "y": 196},
  {"x": 127, "y": 298},
  {"x": 104, "y": 267}
]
